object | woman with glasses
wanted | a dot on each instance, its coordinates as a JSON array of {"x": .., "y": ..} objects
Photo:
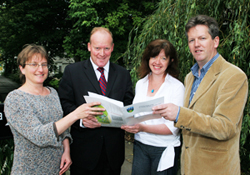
[
  {"x": 157, "y": 141},
  {"x": 34, "y": 114}
]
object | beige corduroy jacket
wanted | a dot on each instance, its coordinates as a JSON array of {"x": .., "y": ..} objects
[{"x": 211, "y": 123}]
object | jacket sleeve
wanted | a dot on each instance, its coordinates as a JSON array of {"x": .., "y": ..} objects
[
  {"x": 66, "y": 92},
  {"x": 129, "y": 95}
]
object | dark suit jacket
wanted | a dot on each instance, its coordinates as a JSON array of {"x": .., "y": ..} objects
[{"x": 77, "y": 80}]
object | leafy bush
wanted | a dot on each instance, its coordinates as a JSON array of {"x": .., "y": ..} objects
[{"x": 6, "y": 156}]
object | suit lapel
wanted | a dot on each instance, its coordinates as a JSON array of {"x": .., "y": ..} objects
[
  {"x": 90, "y": 74},
  {"x": 111, "y": 78},
  {"x": 207, "y": 81}
]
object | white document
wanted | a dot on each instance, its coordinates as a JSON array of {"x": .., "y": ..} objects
[{"x": 117, "y": 115}]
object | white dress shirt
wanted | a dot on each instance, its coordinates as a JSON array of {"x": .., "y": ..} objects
[
  {"x": 173, "y": 92},
  {"x": 98, "y": 73}
]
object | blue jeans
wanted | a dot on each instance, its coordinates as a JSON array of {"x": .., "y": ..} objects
[{"x": 146, "y": 159}]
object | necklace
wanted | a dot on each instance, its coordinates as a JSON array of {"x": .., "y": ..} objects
[{"x": 156, "y": 86}]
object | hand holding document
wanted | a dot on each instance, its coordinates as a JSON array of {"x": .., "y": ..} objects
[{"x": 117, "y": 115}]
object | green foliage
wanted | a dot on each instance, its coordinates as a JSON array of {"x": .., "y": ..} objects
[
  {"x": 6, "y": 155},
  {"x": 168, "y": 22},
  {"x": 24, "y": 22},
  {"x": 119, "y": 16},
  {"x": 54, "y": 82}
]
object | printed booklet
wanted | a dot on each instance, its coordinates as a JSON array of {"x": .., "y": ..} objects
[{"x": 117, "y": 115}]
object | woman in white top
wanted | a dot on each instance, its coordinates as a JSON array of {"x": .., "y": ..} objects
[{"x": 157, "y": 142}]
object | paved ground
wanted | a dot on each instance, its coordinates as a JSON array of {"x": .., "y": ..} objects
[{"x": 127, "y": 165}]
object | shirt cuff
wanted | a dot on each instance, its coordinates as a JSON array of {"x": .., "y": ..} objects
[
  {"x": 81, "y": 125},
  {"x": 177, "y": 117}
]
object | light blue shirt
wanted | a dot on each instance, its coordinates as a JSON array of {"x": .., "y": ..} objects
[{"x": 197, "y": 78}]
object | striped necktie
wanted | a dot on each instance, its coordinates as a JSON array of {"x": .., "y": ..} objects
[{"x": 102, "y": 80}]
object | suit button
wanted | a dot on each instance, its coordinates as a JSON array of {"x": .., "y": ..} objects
[{"x": 186, "y": 147}]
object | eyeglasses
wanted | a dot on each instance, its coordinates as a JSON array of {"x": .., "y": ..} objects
[{"x": 36, "y": 65}]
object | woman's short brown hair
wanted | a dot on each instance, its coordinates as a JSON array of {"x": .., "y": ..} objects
[
  {"x": 153, "y": 49},
  {"x": 26, "y": 54}
]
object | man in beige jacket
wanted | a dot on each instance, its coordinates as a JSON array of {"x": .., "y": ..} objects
[{"x": 215, "y": 96}]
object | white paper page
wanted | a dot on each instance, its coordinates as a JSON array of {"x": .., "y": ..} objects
[
  {"x": 142, "y": 111},
  {"x": 111, "y": 108},
  {"x": 142, "y": 108},
  {"x": 116, "y": 102}
]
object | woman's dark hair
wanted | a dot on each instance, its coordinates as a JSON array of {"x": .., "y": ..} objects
[
  {"x": 26, "y": 54},
  {"x": 153, "y": 49}
]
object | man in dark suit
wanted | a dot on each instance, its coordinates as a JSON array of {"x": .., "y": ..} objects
[{"x": 95, "y": 150}]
